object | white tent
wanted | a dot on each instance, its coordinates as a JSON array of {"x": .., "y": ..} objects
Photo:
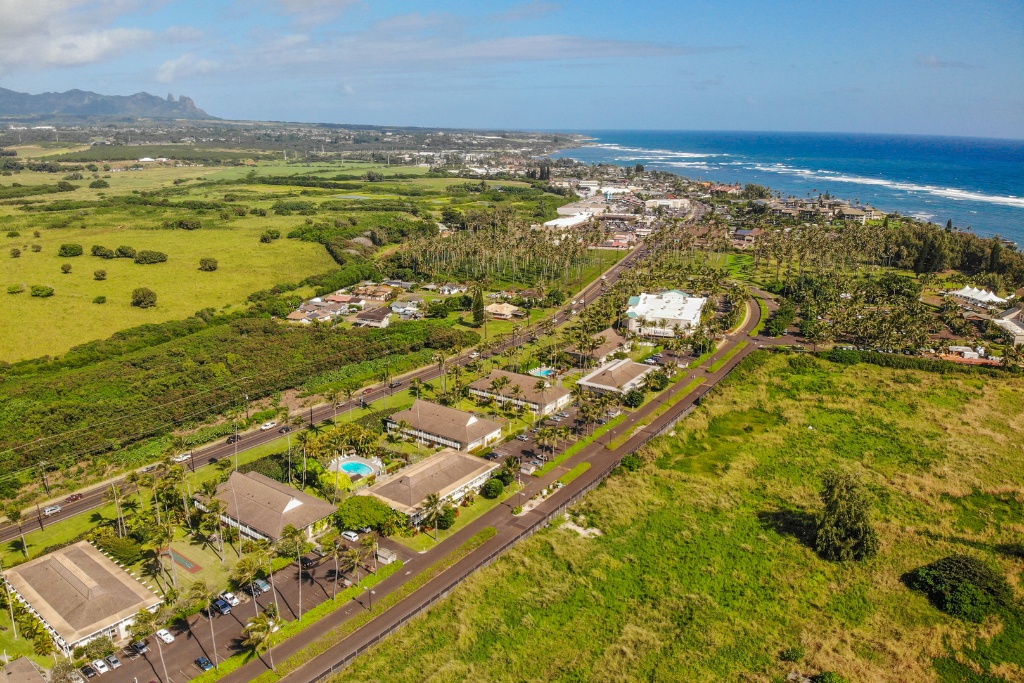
[{"x": 981, "y": 296}]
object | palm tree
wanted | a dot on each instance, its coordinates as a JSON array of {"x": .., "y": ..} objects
[
  {"x": 257, "y": 637},
  {"x": 293, "y": 535},
  {"x": 200, "y": 593},
  {"x": 432, "y": 508},
  {"x": 245, "y": 571},
  {"x": 145, "y": 625},
  {"x": 266, "y": 552},
  {"x": 350, "y": 558},
  {"x": 13, "y": 514},
  {"x": 369, "y": 547},
  {"x": 334, "y": 551}
]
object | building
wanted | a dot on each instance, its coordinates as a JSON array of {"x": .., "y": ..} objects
[
  {"x": 541, "y": 403},
  {"x": 609, "y": 342},
  {"x": 503, "y": 311},
  {"x": 616, "y": 377},
  {"x": 849, "y": 213},
  {"x": 261, "y": 507},
  {"x": 21, "y": 670},
  {"x": 569, "y": 222},
  {"x": 1012, "y": 323},
  {"x": 660, "y": 315},
  {"x": 450, "y": 288},
  {"x": 445, "y": 426},
  {"x": 375, "y": 292},
  {"x": 80, "y": 594},
  {"x": 982, "y": 297},
  {"x": 448, "y": 473},
  {"x": 374, "y": 317}
]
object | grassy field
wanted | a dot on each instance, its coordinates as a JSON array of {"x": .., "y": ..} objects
[{"x": 703, "y": 570}]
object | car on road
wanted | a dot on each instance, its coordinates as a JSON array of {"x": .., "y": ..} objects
[
  {"x": 165, "y": 635},
  {"x": 51, "y": 510},
  {"x": 213, "y": 461},
  {"x": 182, "y": 457},
  {"x": 350, "y": 536},
  {"x": 396, "y": 383},
  {"x": 492, "y": 456},
  {"x": 204, "y": 664},
  {"x": 284, "y": 430},
  {"x": 88, "y": 671},
  {"x": 267, "y": 426},
  {"x": 263, "y": 585},
  {"x": 475, "y": 354},
  {"x": 368, "y": 390},
  {"x": 100, "y": 666},
  {"x": 113, "y": 661},
  {"x": 139, "y": 647},
  {"x": 73, "y": 497},
  {"x": 234, "y": 438},
  {"x": 222, "y": 606},
  {"x": 230, "y": 598}
]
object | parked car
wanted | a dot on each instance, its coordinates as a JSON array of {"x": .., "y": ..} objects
[
  {"x": 51, "y": 510},
  {"x": 139, "y": 647},
  {"x": 73, "y": 497},
  {"x": 100, "y": 666},
  {"x": 284, "y": 430},
  {"x": 165, "y": 635},
  {"x": 255, "y": 590},
  {"x": 88, "y": 671},
  {"x": 230, "y": 598},
  {"x": 234, "y": 438},
  {"x": 204, "y": 663},
  {"x": 350, "y": 536},
  {"x": 307, "y": 562},
  {"x": 263, "y": 585},
  {"x": 267, "y": 426},
  {"x": 222, "y": 606},
  {"x": 113, "y": 661},
  {"x": 522, "y": 437}
]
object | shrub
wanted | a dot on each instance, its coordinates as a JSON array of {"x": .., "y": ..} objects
[
  {"x": 185, "y": 224},
  {"x": 102, "y": 252},
  {"x": 146, "y": 256},
  {"x": 99, "y": 274},
  {"x": 446, "y": 519},
  {"x": 124, "y": 252},
  {"x": 69, "y": 250},
  {"x": 42, "y": 291},
  {"x": 13, "y": 233},
  {"x": 506, "y": 476},
  {"x": 632, "y": 462},
  {"x": 124, "y": 550},
  {"x": 208, "y": 265},
  {"x": 493, "y": 488},
  {"x": 270, "y": 236},
  {"x": 656, "y": 381},
  {"x": 962, "y": 586},
  {"x": 829, "y": 677},
  {"x": 844, "y": 530},
  {"x": 100, "y": 300},
  {"x": 99, "y": 184},
  {"x": 792, "y": 654},
  {"x": 16, "y": 289},
  {"x": 65, "y": 268},
  {"x": 37, "y": 234},
  {"x": 37, "y": 248},
  {"x": 15, "y": 253},
  {"x": 634, "y": 398},
  {"x": 143, "y": 297}
]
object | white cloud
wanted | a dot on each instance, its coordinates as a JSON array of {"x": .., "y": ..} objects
[{"x": 183, "y": 67}]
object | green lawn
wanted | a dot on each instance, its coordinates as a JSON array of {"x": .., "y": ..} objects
[
  {"x": 705, "y": 568},
  {"x": 423, "y": 542}
]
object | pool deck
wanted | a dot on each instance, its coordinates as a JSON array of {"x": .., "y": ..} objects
[{"x": 375, "y": 467}]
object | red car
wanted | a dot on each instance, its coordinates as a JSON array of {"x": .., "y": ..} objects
[{"x": 73, "y": 497}]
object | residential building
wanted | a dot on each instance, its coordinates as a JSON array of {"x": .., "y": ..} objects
[
  {"x": 541, "y": 403},
  {"x": 449, "y": 473},
  {"x": 79, "y": 595},
  {"x": 609, "y": 342},
  {"x": 449, "y": 288},
  {"x": 375, "y": 292},
  {"x": 848, "y": 213},
  {"x": 261, "y": 507},
  {"x": 503, "y": 311},
  {"x": 616, "y": 377},
  {"x": 662, "y": 315},
  {"x": 445, "y": 426},
  {"x": 374, "y": 317}
]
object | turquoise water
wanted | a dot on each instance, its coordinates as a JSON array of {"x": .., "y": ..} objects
[
  {"x": 353, "y": 467},
  {"x": 542, "y": 372}
]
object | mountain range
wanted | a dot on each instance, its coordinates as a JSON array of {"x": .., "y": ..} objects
[{"x": 84, "y": 104}]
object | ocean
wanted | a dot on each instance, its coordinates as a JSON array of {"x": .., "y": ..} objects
[{"x": 978, "y": 183}]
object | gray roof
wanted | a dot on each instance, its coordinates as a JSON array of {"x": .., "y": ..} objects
[
  {"x": 441, "y": 473},
  {"x": 78, "y": 590},
  {"x": 525, "y": 382},
  {"x": 449, "y": 423},
  {"x": 616, "y": 374},
  {"x": 268, "y": 506},
  {"x": 21, "y": 670}
]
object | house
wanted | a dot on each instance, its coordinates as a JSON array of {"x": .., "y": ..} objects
[
  {"x": 399, "y": 284},
  {"x": 848, "y": 213},
  {"x": 300, "y": 316},
  {"x": 616, "y": 377},
  {"x": 445, "y": 426},
  {"x": 662, "y": 315},
  {"x": 79, "y": 595},
  {"x": 449, "y": 473},
  {"x": 608, "y": 342},
  {"x": 449, "y": 288},
  {"x": 750, "y": 235},
  {"x": 375, "y": 292},
  {"x": 261, "y": 507},
  {"x": 374, "y": 317},
  {"x": 406, "y": 309},
  {"x": 499, "y": 385},
  {"x": 349, "y": 300},
  {"x": 503, "y": 311}
]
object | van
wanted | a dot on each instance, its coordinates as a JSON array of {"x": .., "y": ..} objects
[{"x": 51, "y": 510}]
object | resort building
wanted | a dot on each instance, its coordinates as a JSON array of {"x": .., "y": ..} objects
[
  {"x": 608, "y": 342},
  {"x": 616, "y": 377},
  {"x": 662, "y": 315},
  {"x": 80, "y": 594},
  {"x": 503, "y": 311},
  {"x": 500, "y": 386},
  {"x": 1012, "y": 323},
  {"x": 261, "y": 507},
  {"x": 445, "y": 426},
  {"x": 448, "y": 473}
]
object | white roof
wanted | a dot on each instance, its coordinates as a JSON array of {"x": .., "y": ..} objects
[
  {"x": 982, "y": 295},
  {"x": 568, "y": 221},
  {"x": 670, "y": 305}
]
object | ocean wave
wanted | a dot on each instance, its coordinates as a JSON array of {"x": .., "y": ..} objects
[{"x": 666, "y": 153}]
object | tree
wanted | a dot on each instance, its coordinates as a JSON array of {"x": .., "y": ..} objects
[
  {"x": 208, "y": 265},
  {"x": 69, "y": 250},
  {"x": 64, "y": 672},
  {"x": 432, "y": 507},
  {"x": 844, "y": 528},
  {"x": 245, "y": 571},
  {"x": 99, "y": 275},
  {"x": 99, "y": 184},
  {"x": 147, "y": 623},
  {"x": 493, "y": 488},
  {"x": 13, "y": 514},
  {"x": 634, "y": 398},
  {"x": 350, "y": 559},
  {"x": 478, "y": 306},
  {"x": 147, "y": 256},
  {"x": 200, "y": 593},
  {"x": 292, "y": 535},
  {"x": 143, "y": 297},
  {"x": 257, "y": 636},
  {"x": 42, "y": 291},
  {"x": 962, "y": 586},
  {"x": 65, "y": 268}
]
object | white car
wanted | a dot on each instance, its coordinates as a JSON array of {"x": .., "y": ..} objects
[
  {"x": 182, "y": 457},
  {"x": 350, "y": 536},
  {"x": 100, "y": 666},
  {"x": 165, "y": 635},
  {"x": 267, "y": 426},
  {"x": 230, "y": 598}
]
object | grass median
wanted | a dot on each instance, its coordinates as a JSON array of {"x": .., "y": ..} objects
[
  {"x": 573, "y": 473},
  {"x": 658, "y": 412},
  {"x": 580, "y": 445},
  {"x": 720, "y": 363}
]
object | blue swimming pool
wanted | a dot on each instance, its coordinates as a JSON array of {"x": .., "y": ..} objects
[
  {"x": 356, "y": 468},
  {"x": 542, "y": 372}
]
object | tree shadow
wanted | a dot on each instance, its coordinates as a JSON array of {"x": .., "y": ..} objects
[
  {"x": 1010, "y": 550},
  {"x": 798, "y": 524}
]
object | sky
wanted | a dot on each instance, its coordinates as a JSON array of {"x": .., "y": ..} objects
[{"x": 913, "y": 66}]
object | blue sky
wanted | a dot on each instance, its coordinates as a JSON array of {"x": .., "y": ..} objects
[{"x": 947, "y": 68}]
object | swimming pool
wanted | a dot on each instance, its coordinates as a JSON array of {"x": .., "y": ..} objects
[
  {"x": 353, "y": 467},
  {"x": 542, "y": 372}
]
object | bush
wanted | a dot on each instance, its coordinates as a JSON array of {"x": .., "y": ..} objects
[
  {"x": 208, "y": 265},
  {"x": 15, "y": 253},
  {"x": 143, "y": 297},
  {"x": 146, "y": 256},
  {"x": 446, "y": 519},
  {"x": 493, "y": 488},
  {"x": 99, "y": 274},
  {"x": 102, "y": 252},
  {"x": 792, "y": 654},
  {"x": 634, "y": 398},
  {"x": 65, "y": 268},
  {"x": 13, "y": 233},
  {"x": 69, "y": 250},
  {"x": 100, "y": 300},
  {"x": 124, "y": 252},
  {"x": 36, "y": 248},
  {"x": 962, "y": 586},
  {"x": 99, "y": 184},
  {"x": 632, "y": 462},
  {"x": 42, "y": 291},
  {"x": 829, "y": 677},
  {"x": 270, "y": 236},
  {"x": 126, "y": 551},
  {"x": 185, "y": 224},
  {"x": 16, "y": 289}
]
